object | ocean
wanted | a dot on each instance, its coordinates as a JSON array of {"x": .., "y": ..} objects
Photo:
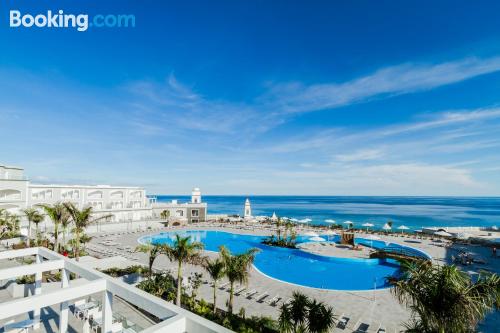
[{"x": 413, "y": 212}]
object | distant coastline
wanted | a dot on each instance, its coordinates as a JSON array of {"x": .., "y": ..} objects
[{"x": 413, "y": 211}]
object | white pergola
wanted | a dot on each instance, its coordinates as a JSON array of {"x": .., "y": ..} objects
[{"x": 174, "y": 319}]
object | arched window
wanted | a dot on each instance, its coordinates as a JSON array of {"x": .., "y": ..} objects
[
  {"x": 10, "y": 194},
  {"x": 117, "y": 195},
  {"x": 94, "y": 195},
  {"x": 136, "y": 194}
]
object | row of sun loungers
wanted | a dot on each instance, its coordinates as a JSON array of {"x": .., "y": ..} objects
[
  {"x": 111, "y": 253},
  {"x": 346, "y": 324},
  {"x": 242, "y": 290},
  {"x": 120, "y": 233}
]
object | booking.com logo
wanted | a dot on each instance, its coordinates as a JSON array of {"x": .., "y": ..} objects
[{"x": 79, "y": 22}]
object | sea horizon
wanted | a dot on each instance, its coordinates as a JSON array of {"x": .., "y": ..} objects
[{"x": 414, "y": 212}]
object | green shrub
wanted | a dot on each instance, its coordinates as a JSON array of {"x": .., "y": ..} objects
[
  {"x": 134, "y": 269},
  {"x": 164, "y": 286},
  {"x": 26, "y": 279},
  {"x": 161, "y": 285}
]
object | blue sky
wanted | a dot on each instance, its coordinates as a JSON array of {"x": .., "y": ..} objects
[{"x": 258, "y": 97}]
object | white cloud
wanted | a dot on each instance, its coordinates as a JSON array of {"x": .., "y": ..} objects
[
  {"x": 401, "y": 79},
  {"x": 174, "y": 104},
  {"x": 383, "y": 179},
  {"x": 439, "y": 128},
  {"x": 443, "y": 119},
  {"x": 360, "y": 155},
  {"x": 341, "y": 160}
]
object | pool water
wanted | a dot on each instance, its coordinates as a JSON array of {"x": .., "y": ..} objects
[{"x": 294, "y": 265}]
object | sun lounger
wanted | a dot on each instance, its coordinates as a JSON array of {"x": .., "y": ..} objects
[
  {"x": 362, "y": 328},
  {"x": 240, "y": 290},
  {"x": 224, "y": 285},
  {"x": 250, "y": 293},
  {"x": 261, "y": 297},
  {"x": 342, "y": 323},
  {"x": 273, "y": 301}
]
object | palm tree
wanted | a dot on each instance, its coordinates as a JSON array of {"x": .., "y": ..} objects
[
  {"x": 285, "y": 231},
  {"x": 237, "y": 269},
  {"x": 9, "y": 224},
  {"x": 215, "y": 269},
  {"x": 59, "y": 216},
  {"x": 320, "y": 318},
  {"x": 278, "y": 228},
  {"x": 81, "y": 218},
  {"x": 33, "y": 216},
  {"x": 293, "y": 315},
  {"x": 165, "y": 214},
  {"x": 182, "y": 251},
  {"x": 84, "y": 239},
  {"x": 288, "y": 228},
  {"x": 153, "y": 251},
  {"x": 304, "y": 315},
  {"x": 65, "y": 223},
  {"x": 37, "y": 221},
  {"x": 443, "y": 298}
]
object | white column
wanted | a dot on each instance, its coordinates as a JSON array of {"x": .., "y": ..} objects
[
  {"x": 38, "y": 291},
  {"x": 64, "y": 311},
  {"x": 107, "y": 312}
]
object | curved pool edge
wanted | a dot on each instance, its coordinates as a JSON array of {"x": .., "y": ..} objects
[
  {"x": 321, "y": 289},
  {"x": 139, "y": 240}
]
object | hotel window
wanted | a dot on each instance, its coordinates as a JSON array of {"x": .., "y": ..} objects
[
  {"x": 41, "y": 194},
  {"x": 117, "y": 195},
  {"x": 195, "y": 213},
  {"x": 10, "y": 194},
  {"x": 71, "y": 194},
  {"x": 136, "y": 195},
  {"x": 95, "y": 195},
  {"x": 96, "y": 204}
]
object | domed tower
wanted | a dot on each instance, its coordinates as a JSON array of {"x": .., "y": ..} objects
[
  {"x": 248, "y": 209},
  {"x": 196, "y": 195}
]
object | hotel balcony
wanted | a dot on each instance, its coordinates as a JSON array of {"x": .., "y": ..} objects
[{"x": 92, "y": 302}]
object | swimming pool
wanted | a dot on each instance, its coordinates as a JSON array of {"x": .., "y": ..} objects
[{"x": 294, "y": 265}]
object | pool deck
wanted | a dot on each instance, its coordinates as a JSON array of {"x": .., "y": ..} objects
[{"x": 375, "y": 308}]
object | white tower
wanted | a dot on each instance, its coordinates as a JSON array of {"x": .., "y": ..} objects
[
  {"x": 196, "y": 195},
  {"x": 248, "y": 209},
  {"x": 274, "y": 218}
]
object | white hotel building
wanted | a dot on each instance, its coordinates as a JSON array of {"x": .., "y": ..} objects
[{"x": 124, "y": 203}]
